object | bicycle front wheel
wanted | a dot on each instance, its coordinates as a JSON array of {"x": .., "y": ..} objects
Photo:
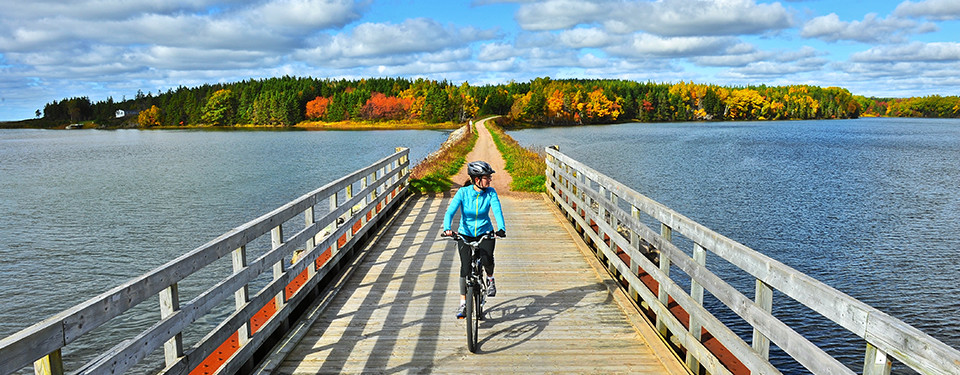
[{"x": 473, "y": 324}]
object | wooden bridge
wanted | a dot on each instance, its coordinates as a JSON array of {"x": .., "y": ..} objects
[{"x": 585, "y": 286}]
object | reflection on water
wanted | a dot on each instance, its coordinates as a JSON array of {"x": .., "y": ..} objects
[{"x": 869, "y": 206}]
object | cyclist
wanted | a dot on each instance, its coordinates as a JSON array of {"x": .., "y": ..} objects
[{"x": 475, "y": 202}]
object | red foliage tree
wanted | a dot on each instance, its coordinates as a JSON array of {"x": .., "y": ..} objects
[
  {"x": 382, "y": 107},
  {"x": 317, "y": 108}
]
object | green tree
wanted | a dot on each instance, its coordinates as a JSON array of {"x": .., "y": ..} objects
[{"x": 221, "y": 108}]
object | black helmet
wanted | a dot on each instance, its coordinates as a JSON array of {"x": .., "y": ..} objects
[{"x": 479, "y": 168}]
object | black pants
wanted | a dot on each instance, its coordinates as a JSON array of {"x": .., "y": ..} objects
[{"x": 485, "y": 250}]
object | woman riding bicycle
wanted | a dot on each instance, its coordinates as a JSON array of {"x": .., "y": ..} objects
[{"x": 475, "y": 202}]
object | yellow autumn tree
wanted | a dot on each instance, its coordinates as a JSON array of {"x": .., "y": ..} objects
[
  {"x": 149, "y": 117},
  {"x": 745, "y": 104},
  {"x": 599, "y": 108}
]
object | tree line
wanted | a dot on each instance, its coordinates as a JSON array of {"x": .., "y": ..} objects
[{"x": 286, "y": 101}]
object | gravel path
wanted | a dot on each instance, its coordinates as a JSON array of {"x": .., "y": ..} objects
[{"x": 487, "y": 151}]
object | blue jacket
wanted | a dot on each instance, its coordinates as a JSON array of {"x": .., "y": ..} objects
[{"x": 474, "y": 211}]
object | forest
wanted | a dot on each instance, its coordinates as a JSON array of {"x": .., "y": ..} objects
[{"x": 288, "y": 101}]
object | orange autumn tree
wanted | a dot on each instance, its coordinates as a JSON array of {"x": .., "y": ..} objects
[
  {"x": 382, "y": 107},
  {"x": 317, "y": 108}
]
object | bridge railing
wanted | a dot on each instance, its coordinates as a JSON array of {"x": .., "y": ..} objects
[
  {"x": 355, "y": 202},
  {"x": 597, "y": 206}
]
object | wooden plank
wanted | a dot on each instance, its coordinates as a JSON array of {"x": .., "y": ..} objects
[{"x": 396, "y": 312}]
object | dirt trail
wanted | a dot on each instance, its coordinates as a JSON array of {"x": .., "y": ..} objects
[{"x": 487, "y": 151}]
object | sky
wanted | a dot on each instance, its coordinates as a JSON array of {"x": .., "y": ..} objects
[{"x": 55, "y": 49}]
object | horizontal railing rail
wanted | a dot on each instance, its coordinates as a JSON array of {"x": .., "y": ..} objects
[
  {"x": 368, "y": 195},
  {"x": 596, "y": 204}
]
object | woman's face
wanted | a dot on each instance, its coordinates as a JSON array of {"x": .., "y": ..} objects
[{"x": 482, "y": 182}]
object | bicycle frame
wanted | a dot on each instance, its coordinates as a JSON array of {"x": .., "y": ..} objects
[{"x": 476, "y": 290}]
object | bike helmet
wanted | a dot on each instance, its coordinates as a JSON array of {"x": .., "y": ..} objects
[{"x": 479, "y": 168}]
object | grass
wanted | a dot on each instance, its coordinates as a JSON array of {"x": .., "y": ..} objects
[
  {"x": 524, "y": 165},
  {"x": 432, "y": 175},
  {"x": 376, "y": 125}
]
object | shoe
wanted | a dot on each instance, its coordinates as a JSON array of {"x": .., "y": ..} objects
[
  {"x": 462, "y": 311},
  {"x": 491, "y": 288}
]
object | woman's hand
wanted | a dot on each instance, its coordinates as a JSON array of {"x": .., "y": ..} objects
[{"x": 448, "y": 233}]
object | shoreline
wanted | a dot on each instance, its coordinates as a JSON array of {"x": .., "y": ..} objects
[{"x": 306, "y": 125}]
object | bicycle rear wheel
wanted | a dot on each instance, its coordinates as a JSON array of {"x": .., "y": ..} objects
[{"x": 473, "y": 324}]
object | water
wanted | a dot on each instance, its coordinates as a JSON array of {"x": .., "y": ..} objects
[
  {"x": 84, "y": 211},
  {"x": 869, "y": 206}
]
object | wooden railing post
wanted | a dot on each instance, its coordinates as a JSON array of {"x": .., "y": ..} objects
[
  {"x": 634, "y": 264},
  {"x": 51, "y": 364},
  {"x": 696, "y": 291},
  {"x": 170, "y": 304},
  {"x": 308, "y": 221},
  {"x": 241, "y": 296},
  {"x": 276, "y": 240},
  {"x": 764, "y": 300},
  {"x": 667, "y": 233},
  {"x": 876, "y": 362},
  {"x": 333, "y": 225},
  {"x": 350, "y": 212}
]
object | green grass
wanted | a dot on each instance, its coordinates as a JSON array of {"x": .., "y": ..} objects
[
  {"x": 433, "y": 174},
  {"x": 524, "y": 165}
]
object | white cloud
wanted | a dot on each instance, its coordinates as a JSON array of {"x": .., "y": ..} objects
[
  {"x": 588, "y": 38},
  {"x": 698, "y": 17},
  {"x": 496, "y": 52},
  {"x": 737, "y": 55},
  {"x": 561, "y": 14},
  {"x": 315, "y": 14},
  {"x": 871, "y": 30},
  {"x": 647, "y": 45},
  {"x": 940, "y": 10},
  {"x": 664, "y": 18},
  {"x": 916, "y": 51},
  {"x": 411, "y": 36}
]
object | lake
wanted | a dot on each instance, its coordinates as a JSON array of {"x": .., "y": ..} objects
[
  {"x": 83, "y": 211},
  {"x": 868, "y": 206}
]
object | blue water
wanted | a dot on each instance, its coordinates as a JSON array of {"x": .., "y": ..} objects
[
  {"x": 869, "y": 206},
  {"x": 83, "y": 211}
]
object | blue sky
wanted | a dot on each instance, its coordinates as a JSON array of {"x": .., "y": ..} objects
[{"x": 51, "y": 49}]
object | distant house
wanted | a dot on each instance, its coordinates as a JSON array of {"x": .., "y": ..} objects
[{"x": 121, "y": 113}]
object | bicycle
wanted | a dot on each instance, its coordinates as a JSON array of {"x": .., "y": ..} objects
[{"x": 476, "y": 290}]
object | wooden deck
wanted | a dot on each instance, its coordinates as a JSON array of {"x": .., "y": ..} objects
[{"x": 553, "y": 313}]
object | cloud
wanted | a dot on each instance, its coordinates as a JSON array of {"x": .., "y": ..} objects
[
  {"x": 496, "y": 52},
  {"x": 588, "y": 38},
  {"x": 663, "y": 18},
  {"x": 698, "y": 17},
  {"x": 738, "y": 55},
  {"x": 776, "y": 64},
  {"x": 392, "y": 44},
  {"x": 871, "y": 30},
  {"x": 560, "y": 14},
  {"x": 916, "y": 51},
  {"x": 310, "y": 14},
  {"x": 647, "y": 45},
  {"x": 939, "y": 10}
]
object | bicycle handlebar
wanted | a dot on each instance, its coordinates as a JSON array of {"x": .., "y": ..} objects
[{"x": 458, "y": 236}]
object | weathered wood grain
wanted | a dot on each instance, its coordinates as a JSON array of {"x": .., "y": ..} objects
[
  {"x": 24, "y": 347},
  {"x": 887, "y": 335},
  {"x": 552, "y": 313}
]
